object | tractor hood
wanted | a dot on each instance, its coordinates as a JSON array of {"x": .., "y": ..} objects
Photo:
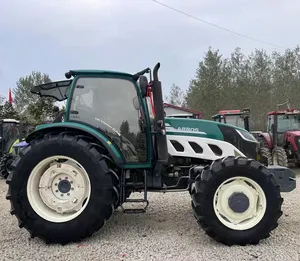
[
  {"x": 238, "y": 137},
  {"x": 205, "y": 129},
  {"x": 293, "y": 133}
]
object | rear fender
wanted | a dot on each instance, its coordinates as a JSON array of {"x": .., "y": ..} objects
[
  {"x": 81, "y": 129},
  {"x": 291, "y": 138},
  {"x": 267, "y": 138},
  {"x": 11, "y": 147}
]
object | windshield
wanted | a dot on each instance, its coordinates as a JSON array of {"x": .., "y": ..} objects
[
  {"x": 288, "y": 122},
  {"x": 107, "y": 105},
  {"x": 56, "y": 90},
  {"x": 235, "y": 120}
]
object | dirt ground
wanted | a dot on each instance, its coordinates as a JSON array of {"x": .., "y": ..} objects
[{"x": 168, "y": 231}]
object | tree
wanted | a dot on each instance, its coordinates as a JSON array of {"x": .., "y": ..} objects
[
  {"x": 32, "y": 108},
  {"x": 206, "y": 91},
  {"x": 176, "y": 96},
  {"x": 258, "y": 81},
  {"x": 7, "y": 111}
]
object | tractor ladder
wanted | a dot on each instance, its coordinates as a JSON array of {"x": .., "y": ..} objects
[{"x": 134, "y": 201}]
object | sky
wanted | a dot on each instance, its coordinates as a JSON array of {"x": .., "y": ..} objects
[{"x": 54, "y": 36}]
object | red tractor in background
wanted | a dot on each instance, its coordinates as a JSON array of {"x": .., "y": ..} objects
[{"x": 281, "y": 143}]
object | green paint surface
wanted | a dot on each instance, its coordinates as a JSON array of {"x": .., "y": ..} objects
[{"x": 84, "y": 128}]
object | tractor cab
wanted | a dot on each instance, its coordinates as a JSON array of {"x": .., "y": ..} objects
[
  {"x": 10, "y": 134},
  {"x": 281, "y": 141},
  {"x": 283, "y": 125},
  {"x": 125, "y": 109},
  {"x": 234, "y": 117}
]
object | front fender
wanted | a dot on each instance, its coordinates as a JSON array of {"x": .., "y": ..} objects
[
  {"x": 11, "y": 147},
  {"x": 41, "y": 130}
]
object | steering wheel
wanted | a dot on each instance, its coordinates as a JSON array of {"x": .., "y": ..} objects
[{"x": 59, "y": 116}]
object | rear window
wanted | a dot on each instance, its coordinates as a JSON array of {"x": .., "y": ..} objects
[{"x": 57, "y": 90}]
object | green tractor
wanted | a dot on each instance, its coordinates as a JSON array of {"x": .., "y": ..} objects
[
  {"x": 9, "y": 136},
  {"x": 234, "y": 117},
  {"x": 114, "y": 140}
]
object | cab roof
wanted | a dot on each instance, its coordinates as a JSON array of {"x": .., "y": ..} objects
[
  {"x": 10, "y": 121},
  {"x": 290, "y": 111},
  {"x": 97, "y": 72}
]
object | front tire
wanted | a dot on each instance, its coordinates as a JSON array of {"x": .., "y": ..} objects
[
  {"x": 241, "y": 212},
  {"x": 61, "y": 213},
  {"x": 265, "y": 152}
]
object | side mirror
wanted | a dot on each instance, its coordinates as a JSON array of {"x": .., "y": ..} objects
[
  {"x": 143, "y": 82},
  {"x": 55, "y": 109},
  {"x": 136, "y": 103}
]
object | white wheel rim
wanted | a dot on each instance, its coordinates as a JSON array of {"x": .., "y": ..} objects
[
  {"x": 58, "y": 192},
  {"x": 255, "y": 211}
]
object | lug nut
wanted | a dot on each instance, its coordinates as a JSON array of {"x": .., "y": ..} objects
[
  {"x": 72, "y": 188},
  {"x": 66, "y": 177},
  {"x": 61, "y": 195},
  {"x": 71, "y": 182},
  {"x": 55, "y": 184},
  {"x": 68, "y": 194},
  {"x": 56, "y": 190},
  {"x": 59, "y": 178}
]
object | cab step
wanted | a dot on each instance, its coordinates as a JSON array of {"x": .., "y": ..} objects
[{"x": 133, "y": 201}]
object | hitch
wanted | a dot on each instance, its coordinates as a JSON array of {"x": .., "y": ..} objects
[{"x": 285, "y": 177}]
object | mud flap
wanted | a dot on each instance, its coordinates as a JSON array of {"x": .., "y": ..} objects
[{"x": 285, "y": 177}]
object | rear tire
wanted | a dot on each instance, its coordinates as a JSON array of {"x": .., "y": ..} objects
[
  {"x": 98, "y": 205},
  {"x": 279, "y": 157},
  {"x": 5, "y": 165},
  {"x": 239, "y": 228}
]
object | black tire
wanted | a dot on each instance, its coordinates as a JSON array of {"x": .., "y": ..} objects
[
  {"x": 5, "y": 165},
  {"x": 206, "y": 185},
  {"x": 265, "y": 152},
  {"x": 279, "y": 157},
  {"x": 104, "y": 193},
  {"x": 267, "y": 155}
]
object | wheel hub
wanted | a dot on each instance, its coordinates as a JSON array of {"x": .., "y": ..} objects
[
  {"x": 64, "y": 186},
  {"x": 238, "y": 202}
]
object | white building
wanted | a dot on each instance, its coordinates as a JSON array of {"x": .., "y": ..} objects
[{"x": 177, "y": 111}]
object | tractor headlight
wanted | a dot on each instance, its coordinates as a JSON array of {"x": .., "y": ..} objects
[
  {"x": 246, "y": 135},
  {"x": 241, "y": 139}
]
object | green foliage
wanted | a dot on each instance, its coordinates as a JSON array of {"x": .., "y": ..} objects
[
  {"x": 176, "y": 96},
  {"x": 32, "y": 108},
  {"x": 7, "y": 111},
  {"x": 258, "y": 81}
]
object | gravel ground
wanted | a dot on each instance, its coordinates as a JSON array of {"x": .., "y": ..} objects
[{"x": 168, "y": 231}]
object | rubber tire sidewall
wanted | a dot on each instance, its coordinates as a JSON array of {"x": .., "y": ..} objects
[
  {"x": 209, "y": 187},
  {"x": 99, "y": 207}
]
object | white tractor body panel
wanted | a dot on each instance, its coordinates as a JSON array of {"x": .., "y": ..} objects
[{"x": 207, "y": 153}]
